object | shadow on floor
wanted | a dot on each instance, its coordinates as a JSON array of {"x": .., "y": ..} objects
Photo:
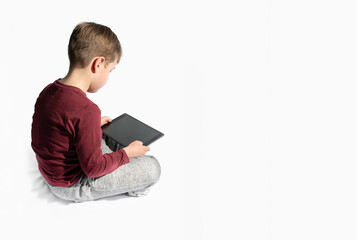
[{"x": 40, "y": 188}]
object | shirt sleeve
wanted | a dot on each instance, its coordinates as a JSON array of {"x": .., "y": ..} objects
[{"x": 88, "y": 146}]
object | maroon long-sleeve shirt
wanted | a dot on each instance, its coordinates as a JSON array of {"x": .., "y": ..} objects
[{"x": 66, "y": 137}]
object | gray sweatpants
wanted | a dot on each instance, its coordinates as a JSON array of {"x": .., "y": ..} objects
[{"x": 134, "y": 177}]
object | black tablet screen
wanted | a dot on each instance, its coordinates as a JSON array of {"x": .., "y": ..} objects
[{"x": 126, "y": 129}]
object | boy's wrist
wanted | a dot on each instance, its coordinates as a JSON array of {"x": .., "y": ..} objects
[{"x": 128, "y": 152}]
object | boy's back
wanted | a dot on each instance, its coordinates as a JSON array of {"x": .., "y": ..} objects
[{"x": 66, "y": 136}]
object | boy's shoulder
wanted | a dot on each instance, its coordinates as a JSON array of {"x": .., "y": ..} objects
[{"x": 60, "y": 96}]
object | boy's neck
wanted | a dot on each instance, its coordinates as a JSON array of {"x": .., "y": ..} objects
[{"x": 77, "y": 78}]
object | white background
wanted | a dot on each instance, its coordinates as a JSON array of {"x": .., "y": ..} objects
[{"x": 257, "y": 100}]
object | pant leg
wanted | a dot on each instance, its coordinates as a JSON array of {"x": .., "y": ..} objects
[{"x": 139, "y": 174}]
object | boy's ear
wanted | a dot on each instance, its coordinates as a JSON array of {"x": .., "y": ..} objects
[{"x": 97, "y": 63}]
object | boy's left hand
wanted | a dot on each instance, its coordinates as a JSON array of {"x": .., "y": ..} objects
[{"x": 105, "y": 120}]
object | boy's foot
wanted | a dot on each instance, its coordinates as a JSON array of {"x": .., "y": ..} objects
[{"x": 139, "y": 193}]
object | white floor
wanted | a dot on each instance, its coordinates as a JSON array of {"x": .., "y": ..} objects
[{"x": 257, "y": 100}]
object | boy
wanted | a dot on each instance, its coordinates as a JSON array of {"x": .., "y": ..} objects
[{"x": 66, "y": 127}]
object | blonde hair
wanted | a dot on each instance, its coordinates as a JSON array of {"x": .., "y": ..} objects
[{"x": 89, "y": 40}]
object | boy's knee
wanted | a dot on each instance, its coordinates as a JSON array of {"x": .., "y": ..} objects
[{"x": 155, "y": 170}]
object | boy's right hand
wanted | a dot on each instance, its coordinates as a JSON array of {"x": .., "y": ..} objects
[{"x": 136, "y": 149}]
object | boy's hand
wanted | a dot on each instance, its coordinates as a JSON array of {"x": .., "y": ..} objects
[
  {"x": 136, "y": 149},
  {"x": 105, "y": 120}
]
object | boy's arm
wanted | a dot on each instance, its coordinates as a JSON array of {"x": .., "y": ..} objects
[{"x": 88, "y": 147}]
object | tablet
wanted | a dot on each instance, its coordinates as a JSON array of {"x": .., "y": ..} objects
[{"x": 125, "y": 129}]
